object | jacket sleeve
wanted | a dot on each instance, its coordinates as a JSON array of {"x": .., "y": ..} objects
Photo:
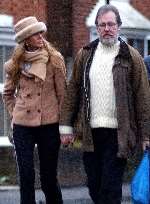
[
  {"x": 70, "y": 107},
  {"x": 141, "y": 90},
  {"x": 59, "y": 77},
  {"x": 9, "y": 90}
]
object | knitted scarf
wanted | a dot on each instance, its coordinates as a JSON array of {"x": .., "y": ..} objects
[
  {"x": 37, "y": 63},
  {"x": 37, "y": 60}
]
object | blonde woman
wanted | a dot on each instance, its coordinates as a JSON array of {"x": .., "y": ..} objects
[{"x": 33, "y": 94}]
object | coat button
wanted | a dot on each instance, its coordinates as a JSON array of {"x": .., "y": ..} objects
[
  {"x": 28, "y": 95},
  {"x": 28, "y": 111},
  {"x": 38, "y": 94},
  {"x": 39, "y": 111}
]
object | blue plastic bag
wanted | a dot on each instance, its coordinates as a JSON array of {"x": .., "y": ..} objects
[{"x": 140, "y": 185}]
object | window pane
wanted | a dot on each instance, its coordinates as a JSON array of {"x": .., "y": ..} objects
[
  {"x": 7, "y": 53},
  {"x": 148, "y": 47},
  {"x": 1, "y": 117},
  {"x": 1, "y": 64},
  {"x": 138, "y": 44}
]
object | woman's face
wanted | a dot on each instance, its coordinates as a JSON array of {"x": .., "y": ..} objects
[{"x": 35, "y": 41}]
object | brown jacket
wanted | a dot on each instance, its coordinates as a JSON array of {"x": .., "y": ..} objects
[
  {"x": 132, "y": 97},
  {"x": 34, "y": 102}
]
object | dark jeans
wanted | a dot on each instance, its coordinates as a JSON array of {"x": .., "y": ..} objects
[
  {"x": 47, "y": 139},
  {"x": 104, "y": 170}
]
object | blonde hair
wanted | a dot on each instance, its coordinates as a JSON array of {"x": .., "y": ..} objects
[
  {"x": 16, "y": 58},
  {"x": 18, "y": 55}
]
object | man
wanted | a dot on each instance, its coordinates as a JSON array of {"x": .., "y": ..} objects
[{"x": 109, "y": 90}]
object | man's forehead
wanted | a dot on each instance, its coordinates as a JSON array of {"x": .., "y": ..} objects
[{"x": 107, "y": 15}]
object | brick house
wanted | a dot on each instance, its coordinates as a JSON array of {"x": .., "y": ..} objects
[
  {"x": 66, "y": 23},
  {"x": 65, "y": 19},
  {"x": 135, "y": 28}
]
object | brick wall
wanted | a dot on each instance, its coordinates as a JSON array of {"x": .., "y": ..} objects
[
  {"x": 55, "y": 13},
  {"x": 143, "y": 6},
  {"x": 80, "y": 11},
  {"x": 65, "y": 19},
  {"x": 60, "y": 25},
  {"x": 23, "y": 8},
  {"x": 71, "y": 33}
]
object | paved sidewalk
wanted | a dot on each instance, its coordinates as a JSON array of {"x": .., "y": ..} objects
[{"x": 75, "y": 195}]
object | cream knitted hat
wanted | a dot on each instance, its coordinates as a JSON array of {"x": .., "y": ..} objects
[{"x": 27, "y": 27}]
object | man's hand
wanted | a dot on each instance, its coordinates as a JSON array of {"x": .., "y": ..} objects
[
  {"x": 146, "y": 144},
  {"x": 67, "y": 139}
]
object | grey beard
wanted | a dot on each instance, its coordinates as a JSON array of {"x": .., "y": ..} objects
[{"x": 109, "y": 42}]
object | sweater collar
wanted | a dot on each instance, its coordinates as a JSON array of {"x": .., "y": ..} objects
[
  {"x": 108, "y": 49},
  {"x": 123, "y": 51}
]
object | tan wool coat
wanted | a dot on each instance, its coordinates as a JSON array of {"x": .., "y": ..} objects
[{"x": 32, "y": 101}]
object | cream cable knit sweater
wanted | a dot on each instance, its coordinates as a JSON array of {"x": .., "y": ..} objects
[{"x": 103, "y": 107}]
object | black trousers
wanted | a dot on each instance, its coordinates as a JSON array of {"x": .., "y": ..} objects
[
  {"x": 104, "y": 170},
  {"x": 47, "y": 139}
]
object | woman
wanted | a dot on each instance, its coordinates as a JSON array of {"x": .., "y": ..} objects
[{"x": 33, "y": 94}]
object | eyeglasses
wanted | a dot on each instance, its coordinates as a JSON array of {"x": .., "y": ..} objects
[{"x": 110, "y": 25}]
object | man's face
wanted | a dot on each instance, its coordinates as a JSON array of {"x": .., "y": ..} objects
[{"x": 108, "y": 28}]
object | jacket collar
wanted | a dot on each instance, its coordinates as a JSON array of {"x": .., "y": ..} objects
[
  {"x": 123, "y": 51},
  {"x": 92, "y": 45}
]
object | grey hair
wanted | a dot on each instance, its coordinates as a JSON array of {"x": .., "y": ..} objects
[{"x": 106, "y": 8}]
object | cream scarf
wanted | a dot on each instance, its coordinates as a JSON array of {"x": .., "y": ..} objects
[{"x": 34, "y": 64}]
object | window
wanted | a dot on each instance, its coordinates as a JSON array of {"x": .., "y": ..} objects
[
  {"x": 5, "y": 52},
  {"x": 138, "y": 44},
  {"x": 7, "y": 44},
  {"x": 148, "y": 44}
]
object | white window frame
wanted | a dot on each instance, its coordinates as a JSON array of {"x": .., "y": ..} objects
[{"x": 7, "y": 39}]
